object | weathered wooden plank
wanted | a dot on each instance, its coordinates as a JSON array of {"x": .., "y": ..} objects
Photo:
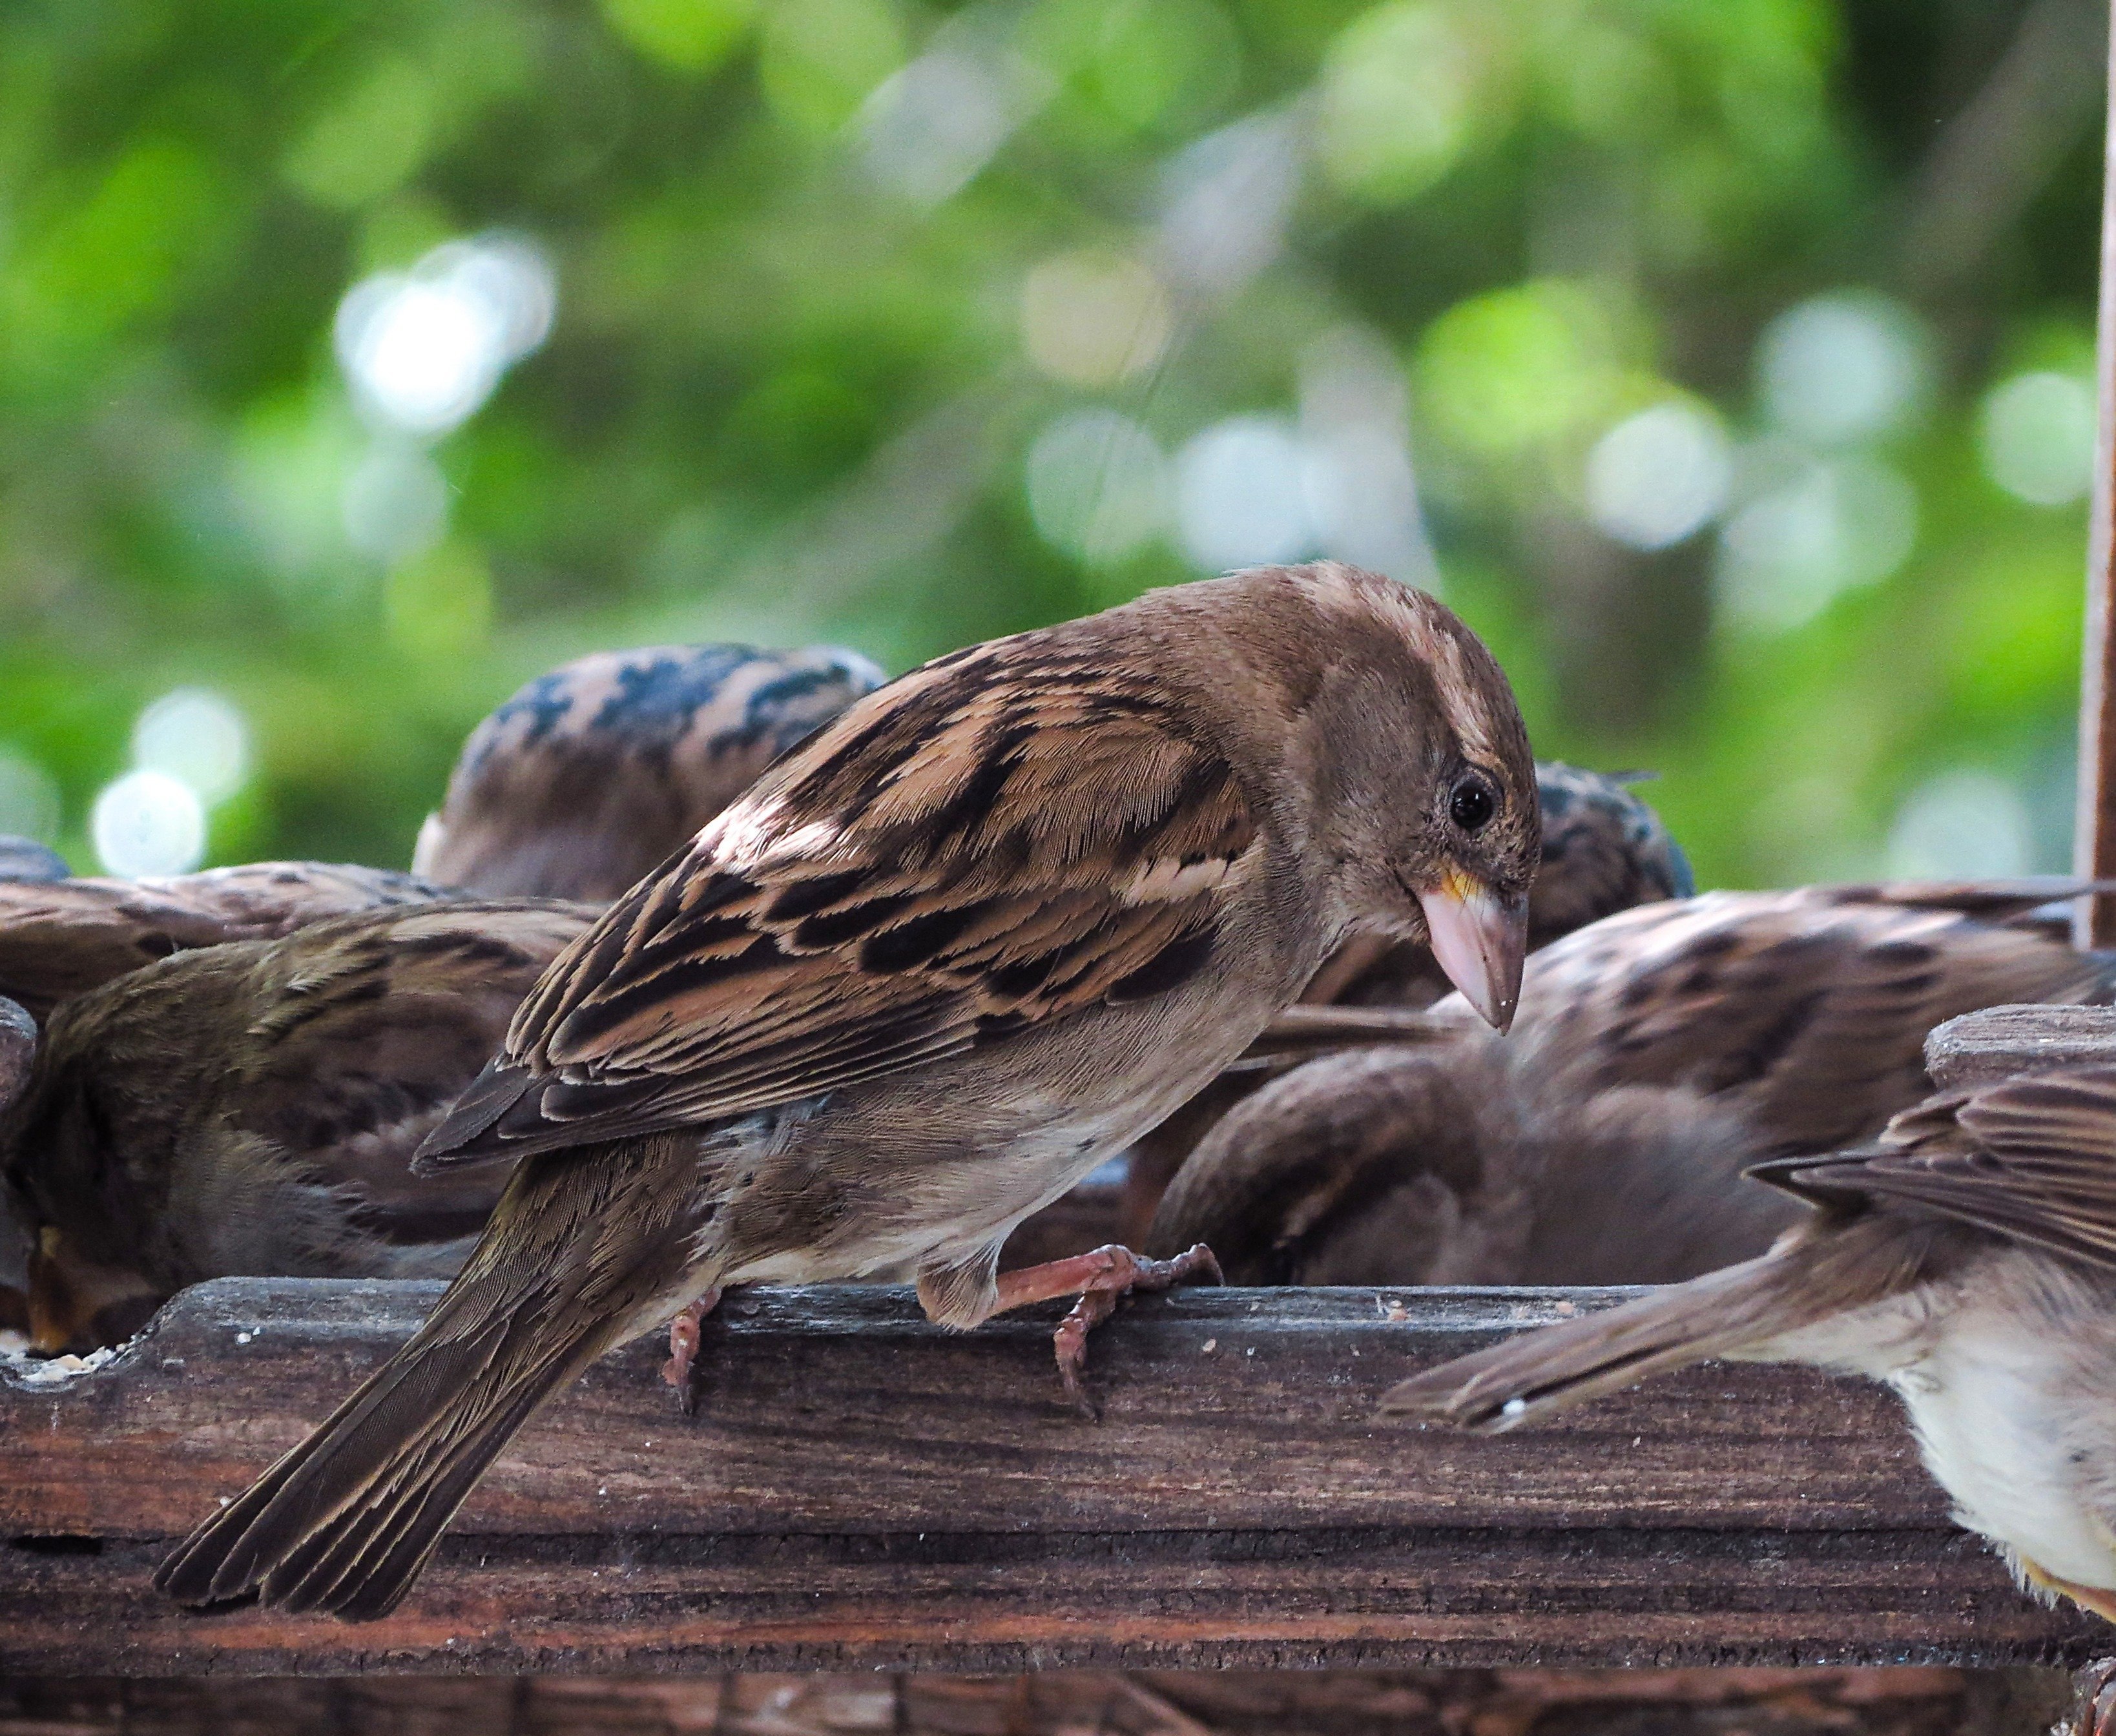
[
  {"x": 1981, "y": 1047},
  {"x": 863, "y": 1491}
]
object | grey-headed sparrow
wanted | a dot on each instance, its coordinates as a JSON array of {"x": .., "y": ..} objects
[
  {"x": 1655, "y": 1055},
  {"x": 589, "y": 777},
  {"x": 1968, "y": 1258},
  {"x": 63, "y": 937},
  {"x": 251, "y": 1109},
  {"x": 981, "y": 931}
]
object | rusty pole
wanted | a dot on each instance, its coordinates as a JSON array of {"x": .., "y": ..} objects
[{"x": 2094, "y": 838}]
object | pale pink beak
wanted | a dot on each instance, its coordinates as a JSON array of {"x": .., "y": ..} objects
[{"x": 1480, "y": 941}]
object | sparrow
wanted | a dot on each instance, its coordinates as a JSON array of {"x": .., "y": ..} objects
[
  {"x": 251, "y": 1109},
  {"x": 590, "y": 776},
  {"x": 1603, "y": 851},
  {"x": 1966, "y": 1258},
  {"x": 1656, "y": 1055},
  {"x": 25, "y": 859},
  {"x": 63, "y": 937},
  {"x": 970, "y": 938}
]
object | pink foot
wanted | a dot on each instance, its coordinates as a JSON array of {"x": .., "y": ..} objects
[
  {"x": 685, "y": 1332},
  {"x": 1100, "y": 1279}
]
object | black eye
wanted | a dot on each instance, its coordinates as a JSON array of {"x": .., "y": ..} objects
[{"x": 1471, "y": 805}]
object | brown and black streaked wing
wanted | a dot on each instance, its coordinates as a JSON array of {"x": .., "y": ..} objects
[
  {"x": 2031, "y": 1158},
  {"x": 979, "y": 849}
]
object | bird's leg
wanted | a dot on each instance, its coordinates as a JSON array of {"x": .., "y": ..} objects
[
  {"x": 2094, "y": 1701},
  {"x": 685, "y": 1330},
  {"x": 1101, "y": 1279}
]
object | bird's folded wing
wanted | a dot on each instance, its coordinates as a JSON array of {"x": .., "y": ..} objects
[
  {"x": 2032, "y": 1158},
  {"x": 967, "y": 858}
]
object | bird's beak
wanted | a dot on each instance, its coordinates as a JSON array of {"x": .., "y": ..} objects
[{"x": 1480, "y": 940}]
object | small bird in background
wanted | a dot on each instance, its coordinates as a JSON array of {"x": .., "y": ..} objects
[
  {"x": 61, "y": 938},
  {"x": 1656, "y": 1055},
  {"x": 976, "y": 934},
  {"x": 1603, "y": 851},
  {"x": 590, "y": 776},
  {"x": 252, "y": 1108},
  {"x": 1968, "y": 1258},
  {"x": 25, "y": 859}
]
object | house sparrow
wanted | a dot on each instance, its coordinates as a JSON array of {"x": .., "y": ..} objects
[
  {"x": 251, "y": 1109},
  {"x": 25, "y": 859},
  {"x": 1968, "y": 1258},
  {"x": 1603, "y": 851},
  {"x": 979, "y": 932},
  {"x": 1655, "y": 1056},
  {"x": 590, "y": 776},
  {"x": 62, "y": 938}
]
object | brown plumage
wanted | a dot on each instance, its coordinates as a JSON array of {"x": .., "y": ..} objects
[
  {"x": 975, "y": 935},
  {"x": 63, "y": 937},
  {"x": 1656, "y": 1054},
  {"x": 590, "y": 776},
  {"x": 1968, "y": 1258},
  {"x": 251, "y": 1109}
]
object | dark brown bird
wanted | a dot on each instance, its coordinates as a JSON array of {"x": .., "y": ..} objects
[
  {"x": 1656, "y": 1055},
  {"x": 1968, "y": 1258},
  {"x": 252, "y": 1108},
  {"x": 933, "y": 967},
  {"x": 62, "y": 938},
  {"x": 590, "y": 776}
]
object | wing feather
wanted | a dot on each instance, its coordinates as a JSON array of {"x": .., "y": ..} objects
[{"x": 966, "y": 855}]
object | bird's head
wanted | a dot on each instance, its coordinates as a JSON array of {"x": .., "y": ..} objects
[{"x": 1424, "y": 785}]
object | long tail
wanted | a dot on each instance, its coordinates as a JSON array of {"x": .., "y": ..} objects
[
  {"x": 1815, "y": 1272},
  {"x": 344, "y": 1522}
]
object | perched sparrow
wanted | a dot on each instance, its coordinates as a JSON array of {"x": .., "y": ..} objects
[
  {"x": 251, "y": 1109},
  {"x": 590, "y": 776},
  {"x": 1968, "y": 1258},
  {"x": 1655, "y": 1055},
  {"x": 25, "y": 859},
  {"x": 938, "y": 962},
  {"x": 62, "y": 938},
  {"x": 1603, "y": 851}
]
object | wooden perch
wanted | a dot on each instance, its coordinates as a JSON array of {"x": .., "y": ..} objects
[{"x": 861, "y": 1489}]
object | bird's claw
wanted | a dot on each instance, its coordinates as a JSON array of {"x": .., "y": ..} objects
[
  {"x": 1111, "y": 1273},
  {"x": 686, "y": 1332}
]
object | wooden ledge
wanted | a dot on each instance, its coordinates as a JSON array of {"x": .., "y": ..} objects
[{"x": 861, "y": 1490}]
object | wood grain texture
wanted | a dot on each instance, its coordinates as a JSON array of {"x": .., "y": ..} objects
[
  {"x": 863, "y": 1491},
  {"x": 1980, "y": 1047}
]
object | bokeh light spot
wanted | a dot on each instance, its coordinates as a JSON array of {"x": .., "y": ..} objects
[
  {"x": 1242, "y": 494},
  {"x": 1965, "y": 823},
  {"x": 28, "y": 798},
  {"x": 1092, "y": 318},
  {"x": 1399, "y": 92},
  {"x": 1784, "y": 558},
  {"x": 692, "y": 36},
  {"x": 148, "y": 823},
  {"x": 1657, "y": 476},
  {"x": 1843, "y": 367},
  {"x": 2036, "y": 432},
  {"x": 198, "y": 736},
  {"x": 1098, "y": 485}
]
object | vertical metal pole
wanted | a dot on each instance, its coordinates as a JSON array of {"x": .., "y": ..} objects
[{"x": 2094, "y": 837}]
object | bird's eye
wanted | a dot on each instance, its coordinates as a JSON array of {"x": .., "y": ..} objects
[{"x": 1471, "y": 805}]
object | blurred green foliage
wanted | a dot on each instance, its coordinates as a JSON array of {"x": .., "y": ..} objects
[{"x": 831, "y": 272}]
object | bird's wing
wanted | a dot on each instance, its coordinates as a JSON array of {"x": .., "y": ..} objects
[
  {"x": 365, "y": 1029},
  {"x": 981, "y": 848},
  {"x": 2032, "y": 1158},
  {"x": 1811, "y": 1010}
]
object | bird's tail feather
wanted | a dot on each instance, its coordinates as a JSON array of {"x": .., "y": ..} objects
[
  {"x": 344, "y": 1522},
  {"x": 1554, "y": 1368}
]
